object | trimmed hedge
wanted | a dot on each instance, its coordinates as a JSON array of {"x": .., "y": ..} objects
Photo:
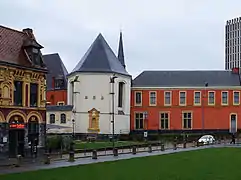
[{"x": 190, "y": 137}]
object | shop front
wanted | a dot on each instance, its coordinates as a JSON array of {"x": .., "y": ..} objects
[{"x": 22, "y": 134}]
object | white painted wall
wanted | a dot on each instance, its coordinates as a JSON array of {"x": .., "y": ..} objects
[
  {"x": 68, "y": 124},
  {"x": 94, "y": 86}
]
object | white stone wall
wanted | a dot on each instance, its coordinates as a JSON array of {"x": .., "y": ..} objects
[
  {"x": 93, "y": 91},
  {"x": 68, "y": 124}
]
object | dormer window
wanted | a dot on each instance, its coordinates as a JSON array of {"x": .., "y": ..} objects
[
  {"x": 59, "y": 83},
  {"x": 35, "y": 51}
]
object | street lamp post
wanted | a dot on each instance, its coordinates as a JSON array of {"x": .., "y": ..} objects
[
  {"x": 45, "y": 124},
  {"x": 73, "y": 122},
  {"x": 112, "y": 82},
  {"x": 203, "y": 96},
  {"x": 74, "y": 100},
  {"x": 145, "y": 126}
]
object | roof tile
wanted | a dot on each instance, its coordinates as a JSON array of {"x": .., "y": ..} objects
[
  {"x": 186, "y": 79},
  {"x": 56, "y": 69}
]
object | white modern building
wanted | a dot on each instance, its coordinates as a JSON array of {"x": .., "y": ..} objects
[
  {"x": 233, "y": 44},
  {"x": 99, "y": 89}
]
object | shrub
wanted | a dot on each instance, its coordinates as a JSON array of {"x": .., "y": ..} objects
[
  {"x": 137, "y": 137},
  {"x": 57, "y": 142},
  {"x": 124, "y": 137}
]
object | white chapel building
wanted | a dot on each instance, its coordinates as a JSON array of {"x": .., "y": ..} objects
[{"x": 99, "y": 78}]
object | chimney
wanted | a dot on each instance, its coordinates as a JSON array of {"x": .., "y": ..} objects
[
  {"x": 29, "y": 33},
  {"x": 53, "y": 82},
  {"x": 235, "y": 71}
]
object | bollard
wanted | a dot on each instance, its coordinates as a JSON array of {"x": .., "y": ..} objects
[
  {"x": 71, "y": 156},
  {"x": 175, "y": 146},
  {"x": 194, "y": 144},
  {"x": 219, "y": 141},
  {"x": 94, "y": 154},
  {"x": 47, "y": 158},
  {"x": 162, "y": 147},
  {"x": 149, "y": 149},
  {"x": 184, "y": 144},
  {"x": 115, "y": 152},
  {"x": 134, "y": 150},
  {"x": 18, "y": 161}
]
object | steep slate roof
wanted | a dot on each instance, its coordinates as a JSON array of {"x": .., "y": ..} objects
[
  {"x": 186, "y": 79},
  {"x": 12, "y": 43},
  {"x": 121, "y": 51},
  {"x": 100, "y": 58},
  {"x": 56, "y": 69}
]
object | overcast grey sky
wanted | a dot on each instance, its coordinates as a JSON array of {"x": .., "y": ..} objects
[{"x": 158, "y": 34}]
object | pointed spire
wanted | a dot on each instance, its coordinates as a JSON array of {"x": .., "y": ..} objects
[{"x": 121, "y": 51}]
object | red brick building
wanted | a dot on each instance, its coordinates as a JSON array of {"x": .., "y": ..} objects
[
  {"x": 56, "y": 80},
  {"x": 169, "y": 101}
]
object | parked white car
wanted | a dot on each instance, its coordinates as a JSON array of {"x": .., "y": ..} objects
[{"x": 207, "y": 139}]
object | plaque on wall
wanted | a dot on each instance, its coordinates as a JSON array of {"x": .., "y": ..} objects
[{"x": 5, "y": 139}]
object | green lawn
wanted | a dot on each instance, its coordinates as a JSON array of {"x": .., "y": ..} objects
[
  {"x": 96, "y": 145},
  {"x": 209, "y": 164}
]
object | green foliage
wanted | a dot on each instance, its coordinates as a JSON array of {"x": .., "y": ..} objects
[{"x": 57, "y": 142}]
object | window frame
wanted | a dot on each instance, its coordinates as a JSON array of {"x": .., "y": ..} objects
[
  {"x": 60, "y": 102},
  {"x": 143, "y": 119},
  {"x": 200, "y": 98},
  {"x": 21, "y": 98},
  {"x": 183, "y": 119},
  {"x": 150, "y": 92},
  {"x": 168, "y": 120},
  {"x": 185, "y": 103},
  {"x": 214, "y": 98},
  {"x": 121, "y": 93},
  {"x": 59, "y": 83},
  {"x": 165, "y": 104},
  {"x": 33, "y": 93},
  {"x": 236, "y": 104},
  {"x": 61, "y": 122},
  {"x": 230, "y": 118},
  {"x": 222, "y": 103},
  {"x": 135, "y": 93},
  {"x": 50, "y": 122}
]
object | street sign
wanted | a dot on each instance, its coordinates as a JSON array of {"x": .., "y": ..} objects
[{"x": 145, "y": 134}]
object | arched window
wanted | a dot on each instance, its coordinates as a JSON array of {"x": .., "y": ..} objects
[
  {"x": 63, "y": 118},
  {"x": 52, "y": 118}
]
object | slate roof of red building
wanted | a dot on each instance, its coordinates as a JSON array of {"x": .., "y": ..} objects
[
  {"x": 11, "y": 47},
  {"x": 186, "y": 78},
  {"x": 56, "y": 69}
]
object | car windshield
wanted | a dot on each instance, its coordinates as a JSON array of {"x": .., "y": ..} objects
[{"x": 206, "y": 137}]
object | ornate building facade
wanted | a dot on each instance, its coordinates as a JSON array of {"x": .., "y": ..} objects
[{"x": 22, "y": 91}]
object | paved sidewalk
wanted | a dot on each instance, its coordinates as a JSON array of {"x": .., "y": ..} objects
[
  {"x": 82, "y": 161},
  {"x": 120, "y": 151}
]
